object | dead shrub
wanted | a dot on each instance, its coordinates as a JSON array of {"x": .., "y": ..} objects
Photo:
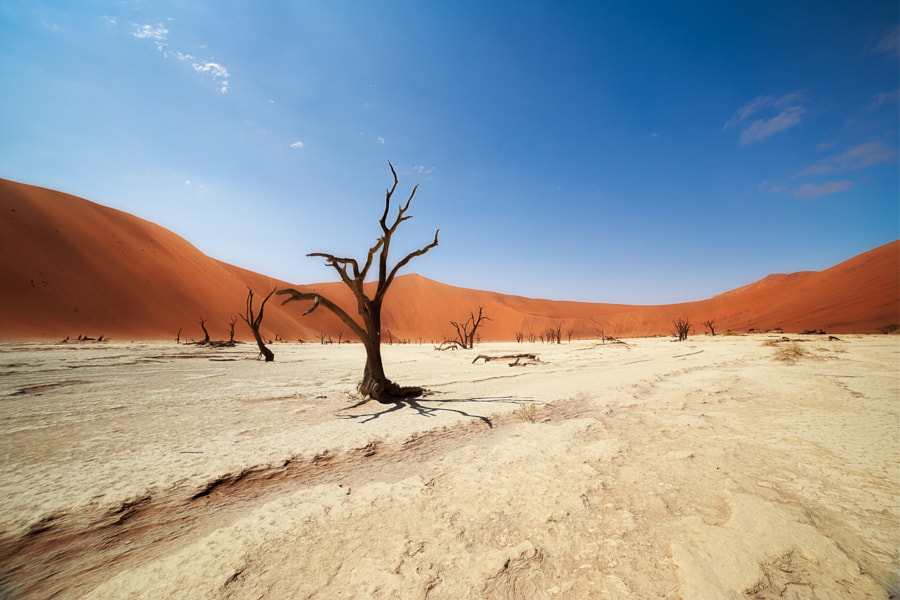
[
  {"x": 527, "y": 412},
  {"x": 790, "y": 352}
]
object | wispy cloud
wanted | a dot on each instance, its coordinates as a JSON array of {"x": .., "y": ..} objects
[
  {"x": 177, "y": 55},
  {"x": 380, "y": 139},
  {"x": 811, "y": 190},
  {"x": 889, "y": 43},
  {"x": 297, "y": 145},
  {"x": 814, "y": 170},
  {"x": 858, "y": 157},
  {"x": 774, "y": 114},
  {"x": 884, "y": 98},
  {"x": 864, "y": 155},
  {"x": 157, "y": 34},
  {"x": 111, "y": 20},
  {"x": 217, "y": 71}
]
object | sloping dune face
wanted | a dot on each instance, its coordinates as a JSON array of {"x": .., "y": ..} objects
[{"x": 72, "y": 267}]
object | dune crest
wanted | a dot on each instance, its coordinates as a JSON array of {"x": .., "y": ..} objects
[{"x": 72, "y": 267}]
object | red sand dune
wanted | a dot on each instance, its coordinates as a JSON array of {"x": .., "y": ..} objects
[{"x": 72, "y": 267}]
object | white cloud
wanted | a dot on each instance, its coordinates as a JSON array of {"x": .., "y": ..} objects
[
  {"x": 178, "y": 55},
  {"x": 422, "y": 170},
  {"x": 380, "y": 139},
  {"x": 788, "y": 113},
  {"x": 297, "y": 145},
  {"x": 216, "y": 71},
  {"x": 111, "y": 20},
  {"x": 158, "y": 35},
  {"x": 810, "y": 190},
  {"x": 775, "y": 189}
]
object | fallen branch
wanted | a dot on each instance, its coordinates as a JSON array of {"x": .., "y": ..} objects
[
  {"x": 688, "y": 354},
  {"x": 506, "y": 357}
]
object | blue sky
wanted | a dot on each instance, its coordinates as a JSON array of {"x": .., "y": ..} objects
[{"x": 627, "y": 152}]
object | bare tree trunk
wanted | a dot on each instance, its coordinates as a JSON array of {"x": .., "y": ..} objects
[
  {"x": 205, "y": 332},
  {"x": 682, "y": 328},
  {"x": 375, "y": 383},
  {"x": 254, "y": 321}
]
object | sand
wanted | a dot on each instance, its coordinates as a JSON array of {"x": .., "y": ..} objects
[{"x": 650, "y": 469}]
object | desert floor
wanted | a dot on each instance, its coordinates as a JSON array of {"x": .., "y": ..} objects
[{"x": 650, "y": 469}]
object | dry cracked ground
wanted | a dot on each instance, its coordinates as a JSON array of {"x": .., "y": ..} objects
[{"x": 713, "y": 468}]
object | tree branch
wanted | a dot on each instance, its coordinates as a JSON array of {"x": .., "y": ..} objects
[
  {"x": 340, "y": 265},
  {"x": 320, "y": 299},
  {"x": 383, "y": 285}
]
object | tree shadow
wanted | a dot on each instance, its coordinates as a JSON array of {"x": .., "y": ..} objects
[{"x": 428, "y": 411}]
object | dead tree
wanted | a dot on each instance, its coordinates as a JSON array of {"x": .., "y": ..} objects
[
  {"x": 711, "y": 324},
  {"x": 205, "y": 332},
  {"x": 465, "y": 332},
  {"x": 682, "y": 328},
  {"x": 253, "y": 321},
  {"x": 375, "y": 383},
  {"x": 231, "y": 323}
]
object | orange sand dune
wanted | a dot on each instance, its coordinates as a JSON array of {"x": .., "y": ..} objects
[{"x": 73, "y": 267}]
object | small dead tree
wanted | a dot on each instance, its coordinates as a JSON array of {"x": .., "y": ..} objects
[
  {"x": 231, "y": 329},
  {"x": 375, "y": 383},
  {"x": 465, "y": 331},
  {"x": 711, "y": 324},
  {"x": 682, "y": 328},
  {"x": 205, "y": 332},
  {"x": 253, "y": 321},
  {"x": 519, "y": 337}
]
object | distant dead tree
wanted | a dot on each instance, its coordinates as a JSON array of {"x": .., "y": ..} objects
[
  {"x": 253, "y": 321},
  {"x": 205, "y": 332},
  {"x": 519, "y": 337},
  {"x": 682, "y": 328},
  {"x": 711, "y": 324},
  {"x": 552, "y": 334},
  {"x": 231, "y": 323},
  {"x": 465, "y": 331},
  {"x": 375, "y": 383},
  {"x": 177, "y": 336}
]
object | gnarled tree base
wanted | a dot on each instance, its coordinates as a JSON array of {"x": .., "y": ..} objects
[{"x": 388, "y": 392}]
